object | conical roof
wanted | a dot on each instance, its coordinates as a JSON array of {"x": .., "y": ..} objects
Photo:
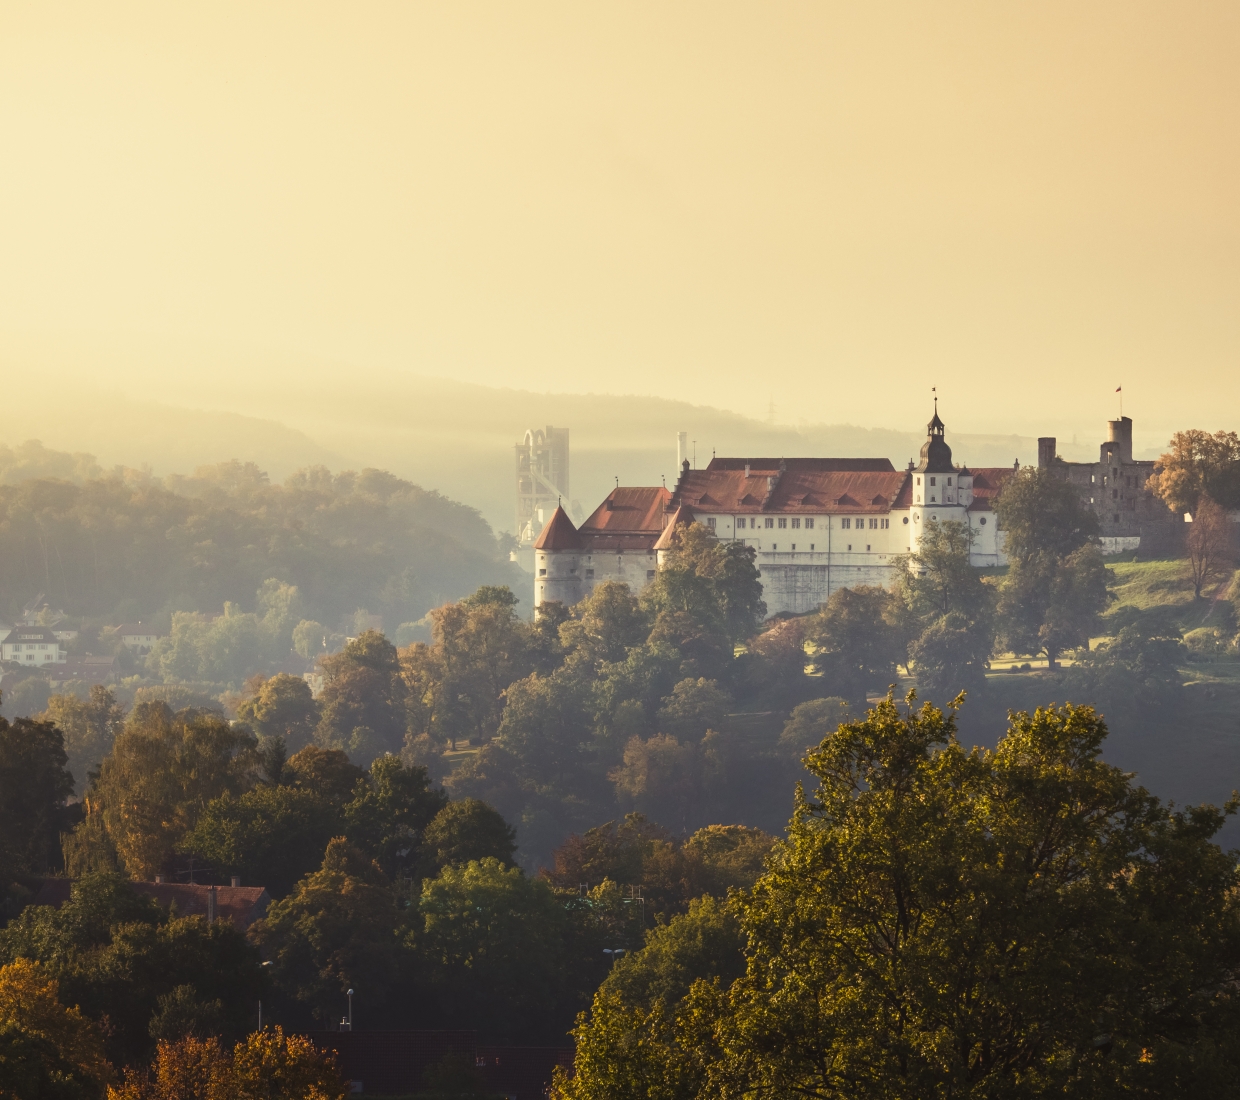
[
  {"x": 683, "y": 515},
  {"x": 559, "y": 534}
]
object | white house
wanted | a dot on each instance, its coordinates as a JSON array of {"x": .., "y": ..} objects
[{"x": 32, "y": 645}]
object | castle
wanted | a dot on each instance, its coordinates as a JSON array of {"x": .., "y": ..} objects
[{"x": 821, "y": 524}]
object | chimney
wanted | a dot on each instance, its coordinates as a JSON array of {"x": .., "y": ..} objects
[
  {"x": 682, "y": 447},
  {"x": 236, "y": 881},
  {"x": 746, "y": 469},
  {"x": 1046, "y": 451}
]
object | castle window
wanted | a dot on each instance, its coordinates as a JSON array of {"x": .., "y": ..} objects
[
  {"x": 796, "y": 523},
  {"x": 1117, "y": 517},
  {"x": 794, "y": 546},
  {"x": 906, "y": 519},
  {"x": 589, "y": 574},
  {"x": 885, "y": 524},
  {"x": 1115, "y": 494},
  {"x": 711, "y": 523},
  {"x": 919, "y": 481},
  {"x": 769, "y": 522},
  {"x": 873, "y": 525},
  {"x": 949, "y": 481},
  {"x": 932, "y": 498},
  {"x": 982, "y": 521},
  {"x": 933, "y": 481},
  {"x": 783, "y": 522},
  {"x": 867, "y": 547},
  {"x": 845, "y": 523},
  {"x": 542, "y": 572},
  {"x": 811, "y": 546},
  {"x": 809, "y": 524},
  {"x": 850, "y": 546},
  {"x": 774, "y": 546}
]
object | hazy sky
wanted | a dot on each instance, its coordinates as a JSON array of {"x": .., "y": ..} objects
[{"x": 836, "y": 206}]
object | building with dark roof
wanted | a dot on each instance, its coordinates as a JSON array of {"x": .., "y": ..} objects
[
  {"x": 240, "y": 905},
  {"x": 816, "y": 524}
]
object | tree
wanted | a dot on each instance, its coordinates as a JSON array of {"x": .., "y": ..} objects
[
  {"x": 606, "y": 624},
  {"x": 464, "y": 831},
  {"x": 1049, "y": 604},
  {"x": 163, "y": 771},
  {"x": 483, "y": 649},
  {"x": 1198, "y": 464},
  {"x": 493, "y": 945},
  {"x": 268, "y": 1065},
  {"x": 856, "y": 645},
  {"x": 270, "y": 836},
  {"x": 34, "y": 784},
  {"x": 726, "y": 857},
  {"x": 951, "y": 656},
  {"x": 659, "y": 774},
  {"x": 810, "y": 722},
  {"x": 1056, "y": 585},
  {"x": 46, "y": 1049},
  {"x": 326, "y": 772},
  {"x": 386, "y": 817},
  {"x": 363, "y": 700},
  {"x": 89, "y": 727},
  {"x": 939, "y": 578},
  {"x": 1210, "y": 543},
  {"x": 282, "y": 707},
  {"x": 1016, "y": 922},
  {"x": 1041, "y": 513},
  {"x": 337, "y": 930},
  {"x": 693, "y": 707}
]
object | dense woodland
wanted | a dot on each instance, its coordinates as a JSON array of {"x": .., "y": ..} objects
[
  {"x": 128, "y": 546},
  {"x": 460, "y": 829}
]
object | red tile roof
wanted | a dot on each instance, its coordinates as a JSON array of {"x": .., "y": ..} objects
[
  {"x": 792, "y": 485},
  {"x": 987, "y": 484},
  {"x": 682, "y": 515},
  {"x": 629, "y": 510},
  {"x": 559, "y": 534}
]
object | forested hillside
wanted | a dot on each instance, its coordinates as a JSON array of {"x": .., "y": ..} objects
[{"x": 129, "y": 546}]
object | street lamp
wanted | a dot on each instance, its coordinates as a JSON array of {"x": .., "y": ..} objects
[
  {"x": 613, "y": 953},
  {"x": 350, "y": 995}
]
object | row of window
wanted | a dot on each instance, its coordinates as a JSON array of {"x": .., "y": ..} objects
[
  {"x": 934, "y": 480},
  {"x": 31, "y": 645},
  {"x": 780, "y": 523}
]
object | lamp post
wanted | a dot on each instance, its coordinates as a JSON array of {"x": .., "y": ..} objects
[
  {"x": 613, "y": 953},
  {"x": 350, "y": 995}
]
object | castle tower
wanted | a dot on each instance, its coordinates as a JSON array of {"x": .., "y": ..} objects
[
  {"x": 557, "y": 562},
  {"x": 940, "y": 490}
]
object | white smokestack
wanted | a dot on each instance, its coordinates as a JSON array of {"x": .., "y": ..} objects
[{"x": 682, "y": 450}]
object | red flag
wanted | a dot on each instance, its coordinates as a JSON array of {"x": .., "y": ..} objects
[{"x": 1119, "y": 389}]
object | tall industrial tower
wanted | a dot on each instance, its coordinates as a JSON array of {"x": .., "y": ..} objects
[{"x": 542, "y": 480}]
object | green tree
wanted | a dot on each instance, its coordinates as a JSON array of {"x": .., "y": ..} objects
[
  {"x": 1049, "y": 604},
  {"x": 1016, "y": 922},
  {"x": 282, "y": 707},
  {"x": 34, "y": 784},
  {"x": 810, "y": 722},
  {"x": 270, "y": 836},
  {"x": 856, "y": 644},
  {"x": 309, "y": 639},
  {"x": 606, "y": 624},
  {"x": 492, "y": 944},
  {"x": 1056, "y": 585},
  {"x": 163, "y": 771},
  {"x": 89, "y": 726},
  {"x": 1041, "y": 513},
  {"x": 694, "y": 707},
  {"x": 482, "y": 646},
  {"x": 952, "y": 655},
  {"x": 337, "y": 930},
  {"x": 707, "y": 587},
  {"x": 364, "y": 691},
  {"x": 467, "y": 830},
  {"x": 326, "y": 772},
  {"x": 388, "y": 815}
]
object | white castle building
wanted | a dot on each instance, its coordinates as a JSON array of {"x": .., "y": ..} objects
[{"x": 817, "y": 524}]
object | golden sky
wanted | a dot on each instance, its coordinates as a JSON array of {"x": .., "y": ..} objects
[{"x": 834, "y": 206}]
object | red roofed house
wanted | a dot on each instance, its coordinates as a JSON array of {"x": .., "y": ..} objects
[{"x": 817, "y": 524}]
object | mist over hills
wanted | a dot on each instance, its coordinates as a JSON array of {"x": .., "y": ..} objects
[{"x": 171, "y": 410}]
